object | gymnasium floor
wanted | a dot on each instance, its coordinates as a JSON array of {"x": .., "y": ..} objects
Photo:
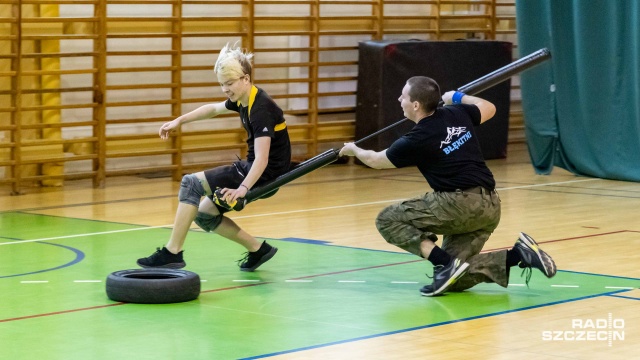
[{"x": 335, "y": 290}]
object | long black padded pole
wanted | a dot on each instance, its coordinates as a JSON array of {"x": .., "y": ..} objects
[
  {"x": 303, "y": 168},
  {"x": 331, "y": 155},
  {"x": 485, "y": 82},
  {"x": 385, "y": 129},
  {"x": 505, "y": 72}
]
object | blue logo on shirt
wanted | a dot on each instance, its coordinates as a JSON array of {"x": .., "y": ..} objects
[{"x": 453, "y": 146}]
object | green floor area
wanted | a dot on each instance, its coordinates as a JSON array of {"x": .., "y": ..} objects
[{"x": 54, "y": 304}]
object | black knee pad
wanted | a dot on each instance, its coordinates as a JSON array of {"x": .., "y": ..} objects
[
  {"x": 191, "y": 190},
  {"x": 208, "y": 222}
]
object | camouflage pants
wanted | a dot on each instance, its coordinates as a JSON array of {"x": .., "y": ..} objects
[{"x": 466, "y": 220}]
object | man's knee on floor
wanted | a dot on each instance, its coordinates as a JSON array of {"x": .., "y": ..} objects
[
  {"x": 208, "y": 222},
  {"x": 191, "y": 190}
]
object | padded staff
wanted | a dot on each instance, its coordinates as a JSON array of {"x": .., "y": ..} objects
[
  {"x": 331, "y": 155},
  {"x": 301, "y": 169},
  {"x": 505, "y": 72}
]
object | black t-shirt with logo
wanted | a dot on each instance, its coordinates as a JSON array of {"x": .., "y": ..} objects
[
  {"x": 263, "y": 117},
  {"x": 445, "y": 149}
]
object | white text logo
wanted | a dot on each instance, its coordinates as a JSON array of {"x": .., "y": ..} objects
[{"x": 608, "y": 330}]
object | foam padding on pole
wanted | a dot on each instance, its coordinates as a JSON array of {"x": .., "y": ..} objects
[{"x": 302, "y": 169}]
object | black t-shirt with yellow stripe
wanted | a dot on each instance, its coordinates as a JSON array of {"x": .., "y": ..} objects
[{"x": 263, "y": 117}]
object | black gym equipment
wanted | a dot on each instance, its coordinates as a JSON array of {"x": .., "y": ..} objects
[{"x": 153, "y": 286}]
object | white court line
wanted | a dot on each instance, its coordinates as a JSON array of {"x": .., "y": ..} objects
[
  {"x": 274, "y": 214},
  {"x": 396, "y": 200},
  {"x": 83, "y": 235},
  {"x": 619, "y": 287},
  {"x": 547, "y": 184},
  {"x": 34, "y": 282},
  {"x": 516, "y": 285}
]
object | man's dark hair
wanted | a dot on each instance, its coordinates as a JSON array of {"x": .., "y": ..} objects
[{"x": 424, "y": 90}]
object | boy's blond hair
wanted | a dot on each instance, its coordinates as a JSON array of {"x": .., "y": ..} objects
[{"x": 233, "y": 62}]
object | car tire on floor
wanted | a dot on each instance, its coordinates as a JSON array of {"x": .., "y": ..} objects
[{"x": 153, "y": 286}]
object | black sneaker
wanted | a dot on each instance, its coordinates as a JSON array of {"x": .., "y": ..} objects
[
  {"x": 163, "y": 258},
  {"x": 252, "y": 260},
  {"x": 444, "y": 276},
  {"x": 427, "y": 289},
  {"x": 533, "y": 257}
]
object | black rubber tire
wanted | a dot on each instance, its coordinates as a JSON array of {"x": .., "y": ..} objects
[{"x": 153, "y": 286}]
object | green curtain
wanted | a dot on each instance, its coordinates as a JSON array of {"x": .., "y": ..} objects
[{"x": 582, "y": 108}]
